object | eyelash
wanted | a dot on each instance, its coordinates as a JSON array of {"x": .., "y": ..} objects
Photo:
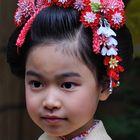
[
  {"x": 71, "y": 84},
  {"x": 36, "y": 84}
]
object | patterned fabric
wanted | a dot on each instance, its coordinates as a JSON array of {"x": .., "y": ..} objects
[{"x": 98, "y": 133}]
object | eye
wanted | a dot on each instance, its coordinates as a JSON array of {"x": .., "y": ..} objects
[
  {"x": 36, "y": 84},
  {"x": 68, "y": 85}
]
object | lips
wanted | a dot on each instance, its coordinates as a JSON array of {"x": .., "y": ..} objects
[{"x": 53, "y": 119}]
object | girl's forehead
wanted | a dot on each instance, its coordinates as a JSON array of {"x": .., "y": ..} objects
[
  {"x": 52, "y": 55},
  {"x": 51, "y": 60},
  {"x": 65, "y": 48}
]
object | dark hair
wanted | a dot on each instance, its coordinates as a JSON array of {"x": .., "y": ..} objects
[{"x": 56, "y": 24}]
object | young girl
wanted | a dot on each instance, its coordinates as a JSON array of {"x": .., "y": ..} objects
[{"x": 70, "y": 54}]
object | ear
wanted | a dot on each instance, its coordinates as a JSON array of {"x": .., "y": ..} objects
[
  {"x": 104, "y": 94},
  {"x": 104, "y": 89}
]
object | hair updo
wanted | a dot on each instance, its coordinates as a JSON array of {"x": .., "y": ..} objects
[{"x": 57, "y": 24}]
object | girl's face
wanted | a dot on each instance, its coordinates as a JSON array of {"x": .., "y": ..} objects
[{"x": 61, "y": 92}]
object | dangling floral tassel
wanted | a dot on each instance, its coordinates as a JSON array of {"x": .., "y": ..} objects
[
  {"x": 110, "y": 86},
  {"x": 95, "y": 41},
  {"x": 26, "y": 28}
]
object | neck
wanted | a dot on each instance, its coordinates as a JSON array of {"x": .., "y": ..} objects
[{"x": 81, "y": 132}]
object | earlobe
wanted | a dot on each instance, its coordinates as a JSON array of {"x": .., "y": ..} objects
[{"x": 104, "y": 95}]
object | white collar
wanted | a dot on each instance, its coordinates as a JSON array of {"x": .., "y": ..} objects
[{"x": 98, "y": 133}]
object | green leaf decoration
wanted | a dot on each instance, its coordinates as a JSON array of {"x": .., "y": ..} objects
[{"x": 95, "y": 7}]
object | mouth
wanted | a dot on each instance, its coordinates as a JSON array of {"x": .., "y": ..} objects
[{"x": 53, "y": 119}]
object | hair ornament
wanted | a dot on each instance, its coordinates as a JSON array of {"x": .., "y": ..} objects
[
  {"x": 25, "y": 10},
  {"x": 102, "y": 16},
  {"x": 79, "y": 5},
  {"x": 27, "y": 26}
]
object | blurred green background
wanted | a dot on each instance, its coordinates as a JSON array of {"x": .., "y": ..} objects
[
  {"x": 120, "y": 113},
  {"x": 133, "y": 23}
]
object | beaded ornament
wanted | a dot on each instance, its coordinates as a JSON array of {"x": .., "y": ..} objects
[{"x": 102, "y": 16}]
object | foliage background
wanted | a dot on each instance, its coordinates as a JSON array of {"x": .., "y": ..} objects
[{"x": 133, "y": 22}]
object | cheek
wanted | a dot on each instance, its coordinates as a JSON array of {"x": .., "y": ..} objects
[
  {"x": 31, "y": 103},
  {"x": 83, "y": 105}
]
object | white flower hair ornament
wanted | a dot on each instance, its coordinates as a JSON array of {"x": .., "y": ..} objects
[{"x": 102, "y": 16}]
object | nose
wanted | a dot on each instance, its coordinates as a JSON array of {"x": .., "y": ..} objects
[{"x": 52, "y": 100}]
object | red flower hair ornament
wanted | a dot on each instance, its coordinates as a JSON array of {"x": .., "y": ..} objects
[{"x": 102, "y": 16}]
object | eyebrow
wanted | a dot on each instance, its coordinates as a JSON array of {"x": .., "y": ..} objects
[
  {"x": 33, "y": 73},
  {"x": 69, "y": 74},
  {"x": 63, "y": 75}
]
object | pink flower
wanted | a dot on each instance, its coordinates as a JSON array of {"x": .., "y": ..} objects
[
  {"x": 79, "y": 5},
  {"x": 88, "y": 18},
  {"x": 116, "y": 18}
]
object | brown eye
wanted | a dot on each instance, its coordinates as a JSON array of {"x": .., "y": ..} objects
[
  {"x": 68, "y": 85},
  {"x": 35, "y": 84}
]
